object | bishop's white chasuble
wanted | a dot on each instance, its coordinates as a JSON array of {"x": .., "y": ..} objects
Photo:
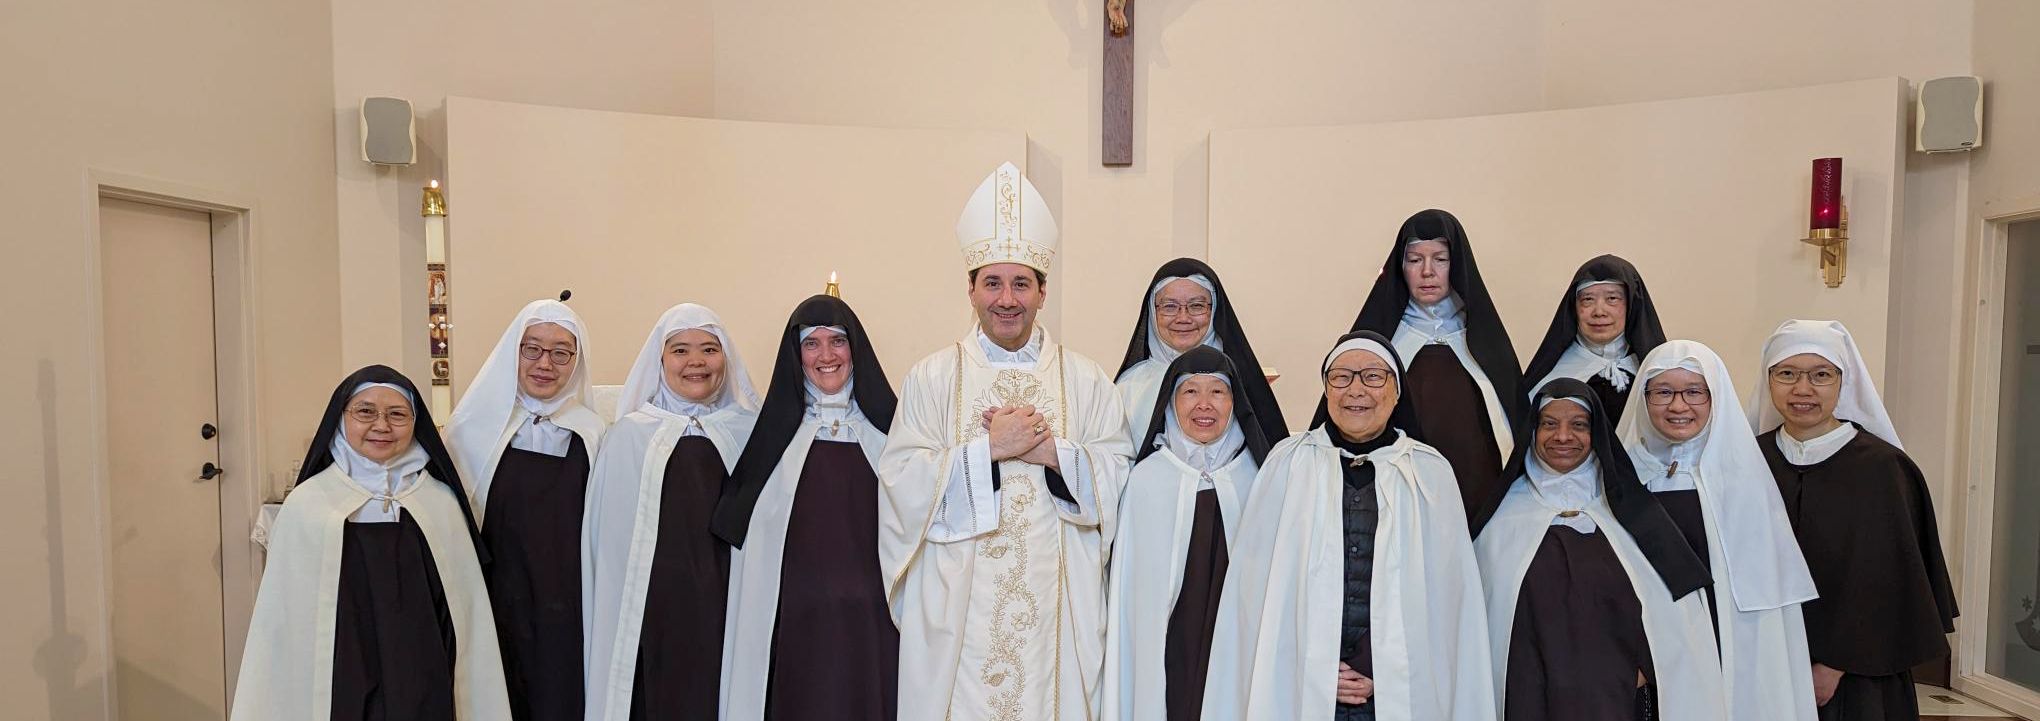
[{"x": 999, "y": 595}]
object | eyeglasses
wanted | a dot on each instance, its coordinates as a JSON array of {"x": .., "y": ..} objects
[
  {"x": 1372, "y": 378},
  {"x": 1664, "y": 396},
  {"x": 1172, "y": 309},
  {"x": 1817, "y": 376},
  {"x": 560, "y": 356},
  {"x": 365, "y": 415}
]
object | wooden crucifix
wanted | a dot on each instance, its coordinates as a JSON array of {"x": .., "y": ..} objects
[{"x": 1118, "y": 116}]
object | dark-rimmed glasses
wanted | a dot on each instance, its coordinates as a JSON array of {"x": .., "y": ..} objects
[
  {"x": 1664, "y": 396},
  {"x": 560, "y": 356},
  {"x": 1371, "y": 377}
]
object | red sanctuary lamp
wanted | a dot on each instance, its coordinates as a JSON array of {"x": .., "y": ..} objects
[{"x": 1828, "y": 221}]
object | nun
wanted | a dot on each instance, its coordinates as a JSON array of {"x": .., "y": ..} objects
[
  {"x": 1326, "y": 505},
  {"x": 1463, "y": 377},
  {"x": 1684, "y": 432},
  {"x": 1864, "y": 518},
  {"x": 1605, "y": 322},
  {"x": 1194, "y": 471},
  {"x": 523, "y": 433},
  {"x": 1594, "y": 610},
  {"x": 373, "y": 604},
  {"x": 654, "y": 580},
  {"x": 1185, "y": 307},
  {"x": 809, "y": 635}
]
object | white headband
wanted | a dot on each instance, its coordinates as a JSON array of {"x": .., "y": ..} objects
[
  {"x": 810, "y": 330},
  {"x": 1687, "y": 363},
  {"x": 566, "y": 323},
  {"x": 408, "y": 398},
  {"x": 1186, "y": 376},
  {"x": 1371, "y": 346},
  {"x": 1576, "y": 401},
  {"x": 1592, "y": 283}
]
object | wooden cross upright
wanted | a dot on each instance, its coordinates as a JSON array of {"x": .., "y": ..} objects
[{"x": 1117, "y": 149}]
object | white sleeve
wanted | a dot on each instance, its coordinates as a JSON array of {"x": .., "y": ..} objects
[
  {"x": 969, "y": 507},
  {"x": 1080, "y": 478}
]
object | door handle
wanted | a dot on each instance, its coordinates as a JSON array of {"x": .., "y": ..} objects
[
  {"x": 209, "y": 471},
  {"x": 208, "y": 431}
]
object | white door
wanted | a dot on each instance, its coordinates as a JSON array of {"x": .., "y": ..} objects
[{"x": 164, "y": 497}]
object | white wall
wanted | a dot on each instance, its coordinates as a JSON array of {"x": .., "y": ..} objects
[
  {"x": 1033, "y": 66},
  {"x": 2005, "y": 173},
  {"x": 1598, "y": 52},
  {"x": 746, "y": 218},
  {"x": 1611, "y": 51},
  {"x": 626, "y": 55},
  {"x": 231, "y": 97},
  {"x": 1303, "y": 234}
]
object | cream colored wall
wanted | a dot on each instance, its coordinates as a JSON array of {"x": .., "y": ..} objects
[
  {"x": 626, "y": 55},
  {"x": 1610, "y": 51},
  {"x": 231, "y": 97},
  {"x": 1033, "y": 66},
  {"x": 2005, "y": 174},
  {"x": 746, "y": 218},
  {"x": 1541, "y": 192}
]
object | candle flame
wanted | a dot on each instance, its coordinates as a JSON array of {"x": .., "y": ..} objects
[
  {"x": 435, "y": 184},
  {"x": 832, "y": 276}
]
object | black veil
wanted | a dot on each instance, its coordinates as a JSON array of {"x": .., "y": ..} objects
[
  {"x": 780, "y": 416},
  {"x": 1634, "y": 506},
  {"x": 1486, "y": 338},
  {"x": 423, "y": 432},
  {"x": 1204, "y": 359},
  {"x": 1249, "y": 383}
]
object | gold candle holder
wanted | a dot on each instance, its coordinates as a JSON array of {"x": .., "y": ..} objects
[
  {"x": 832, "y": 290},
  {"x": 1834, "y": 249},
  {"x": 433, "y": 203}
]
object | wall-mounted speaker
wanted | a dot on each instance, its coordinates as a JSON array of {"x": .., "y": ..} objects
[
  {"x": 388, "y": 137},
  {"x": 1949, "y": 115}
]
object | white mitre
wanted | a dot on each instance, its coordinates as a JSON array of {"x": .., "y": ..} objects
[{"x": 1006, "y": 221}]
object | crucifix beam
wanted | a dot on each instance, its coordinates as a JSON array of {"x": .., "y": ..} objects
[{"x": 1117, "y": 146}]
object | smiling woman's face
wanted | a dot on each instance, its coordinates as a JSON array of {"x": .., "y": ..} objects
[
  {"x": 541, "y": 377},
  {"x": 1686, "y": 404},
  {"x": 694, "y": 365},
  {"x": 1564, "y": 435},
  {"x": 379, "y": 423},
  {"x": 1360, "y": 411},
  {"x": 1203, "y": 407},
  {"x": 1182, "y": 314},
  {"x": 825, "y": 359}
]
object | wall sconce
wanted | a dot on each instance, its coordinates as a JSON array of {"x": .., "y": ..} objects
[{"x": 1828, "y": 221}]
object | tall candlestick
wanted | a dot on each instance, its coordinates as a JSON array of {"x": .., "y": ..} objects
[{"x": 438, "y": 324}]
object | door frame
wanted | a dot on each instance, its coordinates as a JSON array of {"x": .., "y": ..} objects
[
  {"x": 1986, "y": 331},
  {"x": 237, "y": 373}
]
